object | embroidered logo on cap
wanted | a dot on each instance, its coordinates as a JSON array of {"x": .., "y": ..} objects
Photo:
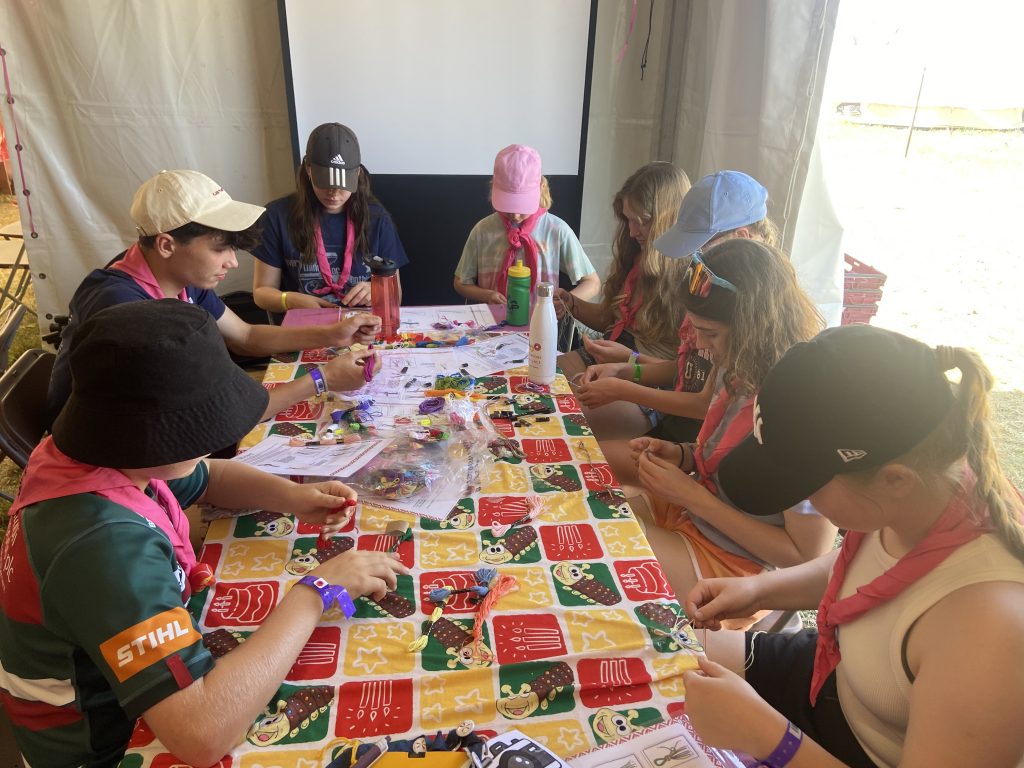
[
  {"x": 337, "y": 160},
  {"x": 758, "y": 423},
  {"x": 850, "y": 454}
]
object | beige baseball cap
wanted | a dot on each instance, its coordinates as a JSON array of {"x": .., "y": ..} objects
[{"x": 172, "y": 199}]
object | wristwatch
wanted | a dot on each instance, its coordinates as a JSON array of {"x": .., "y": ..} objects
[{"x": 330, "y": 594}]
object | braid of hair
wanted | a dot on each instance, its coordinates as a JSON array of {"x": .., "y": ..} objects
[{"x": 1004, "y": 503}]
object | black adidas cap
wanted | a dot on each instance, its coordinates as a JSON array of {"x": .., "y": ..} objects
[{"x": 333, "y": 155}]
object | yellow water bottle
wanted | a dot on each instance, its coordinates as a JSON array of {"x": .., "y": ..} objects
[{"x": 517, "y": 308}]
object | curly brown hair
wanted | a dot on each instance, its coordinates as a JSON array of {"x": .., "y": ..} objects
[
  {"x": 769, "y": 312},
  {"x": 656, "y": 191}
]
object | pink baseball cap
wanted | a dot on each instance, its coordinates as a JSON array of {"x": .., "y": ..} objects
[{"x": 516, "y": 186}]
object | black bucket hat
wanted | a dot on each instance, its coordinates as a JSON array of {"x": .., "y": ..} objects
[
  {"x": 851, "y": 399},
  {"x": 153, "y": 384}
]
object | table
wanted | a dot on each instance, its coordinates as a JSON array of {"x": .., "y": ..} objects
[{"x": 584, "y": 650}]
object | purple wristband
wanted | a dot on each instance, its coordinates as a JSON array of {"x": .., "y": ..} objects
[
  {"x": 784, "y": 752},
  {"x": 330, "y": 594},
  {"x": 318, "y": 380}
]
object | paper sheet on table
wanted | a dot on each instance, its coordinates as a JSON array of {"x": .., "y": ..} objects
[
  {"x": 673, "y": 744},
  {"x": 495, "y": 354},
  {"x": 455, "y": 316},
  {"x": 273, "y": 454},
  {"x": 405, "y": 373}
]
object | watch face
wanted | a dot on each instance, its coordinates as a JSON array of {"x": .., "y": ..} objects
[{"x": 320, "y": 583}]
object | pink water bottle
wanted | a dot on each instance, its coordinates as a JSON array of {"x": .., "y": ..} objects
[{"x": 384, "y": 294}]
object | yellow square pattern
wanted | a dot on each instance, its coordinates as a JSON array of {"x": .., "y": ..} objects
[
  {"x": 624, "y": 537},
  {"x": 668, "y": 673},
  {"x": 293, "y": 758},
  {"x": 448, "y": 698},
  {"x": 448, "y": 549},
  {"x": 255, "y": 559},
  {"x": 596, "y": 631},
  {"x": 380, "y": 649},
  {"x": 220, "y": 529},
  {"x": 504, "y": 478},
  {"x": 534, "y": 589},
  {"x": 278, "y": 372},
  {"x": 563, "y": 737},
  {"x": 564, "y": 507}
]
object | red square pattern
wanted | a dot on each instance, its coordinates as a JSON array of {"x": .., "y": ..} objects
[
  {"x": 503, "y": 510},
  {"x": 570, "y": 542},
  {"x": 211, "y": 555},
  {"x": 318, "y": 660},
  {"x": 643, "y": 580},
  {"x": 527, "y": 637},
  {"x": 380, "y": 542},
  {"x": 301, "y": 411},
  {"x": 520, "y": 385},
  {"x": 460, "y": 603},
  {"x": 315, "y": 356},
  {"x": 613, "y": 682},
  {"x": 597, "y": 476},
  {"x": 545, "y": 451},
  {"x": 241, "y": 603},
  {"x": 307, "y": 529},
  {"x": 568, "y": 404},
  {"x": 374, "y": 708}
]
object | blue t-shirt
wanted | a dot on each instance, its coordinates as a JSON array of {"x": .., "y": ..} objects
[
  {"x": 100, "y": 289},
  {"x": 277, "y": 249}
]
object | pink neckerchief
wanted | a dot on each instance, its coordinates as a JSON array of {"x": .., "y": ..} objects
[
  {"x": 135, "y": 266},
  {"x": 520, "y": 237},
  {"x": 52, "y": 475},
  {"x": 687, "y": 342},
  {"x": 627, "y": 307},
  {"x": 961, "y": 522},
  {"x": 339, "y": 289},
  {"x": 735, "y": 433}
]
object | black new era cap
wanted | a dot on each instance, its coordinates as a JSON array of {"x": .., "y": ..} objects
[
  {"x": 851, "y": 399},
  {"x": 333, "y": 154}
]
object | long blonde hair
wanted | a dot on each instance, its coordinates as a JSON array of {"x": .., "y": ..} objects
[
  {"x": 770, "y": 311},
  {"x": 655, "y": 191},
  {"x": 967, "y": 432}
]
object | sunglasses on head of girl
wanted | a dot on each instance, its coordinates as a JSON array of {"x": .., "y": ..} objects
[{"x": 699, "y": 278}]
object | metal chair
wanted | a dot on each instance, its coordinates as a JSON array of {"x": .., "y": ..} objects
[
  {"x": 23, "y": 404},
  {"x": 8, "y": 330}
]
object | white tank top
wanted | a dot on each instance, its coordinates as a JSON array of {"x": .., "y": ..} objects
[{"x": 873, "y": 686}]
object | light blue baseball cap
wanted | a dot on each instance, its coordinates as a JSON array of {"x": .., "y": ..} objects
[{"x": 717, "y": 203}]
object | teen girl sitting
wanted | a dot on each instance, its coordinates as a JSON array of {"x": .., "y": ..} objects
[
  {"x": 639, "y": 307},
  {"x": 719, "y": 207},
  {"x": 747, "y": 307},
  {"x": 316, "y": 241},
  {"x": 918, "y": 659},
  {"x": 521, "y": 228}
]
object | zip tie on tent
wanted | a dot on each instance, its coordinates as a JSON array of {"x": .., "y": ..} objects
[{"x": 17, "y": 142}]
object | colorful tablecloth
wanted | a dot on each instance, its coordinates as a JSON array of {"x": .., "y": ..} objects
[{"x": 586, "y": 649}]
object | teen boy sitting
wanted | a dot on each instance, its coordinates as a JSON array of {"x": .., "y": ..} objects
[
  {"x": 189, "y": 228},
  {"x": 96, "y": 560}
]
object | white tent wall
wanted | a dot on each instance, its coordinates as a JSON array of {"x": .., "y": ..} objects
[
  {"x": 109, "y": 92},
  {"x": 743, "y": 91}
]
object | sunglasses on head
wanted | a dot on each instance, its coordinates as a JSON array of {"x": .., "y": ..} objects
[{"x": 699, "y": 278}]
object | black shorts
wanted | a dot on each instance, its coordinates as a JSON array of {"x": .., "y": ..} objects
[
  {"x": 676, "y": 429},
  {"x": 780, "y": 671}
]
